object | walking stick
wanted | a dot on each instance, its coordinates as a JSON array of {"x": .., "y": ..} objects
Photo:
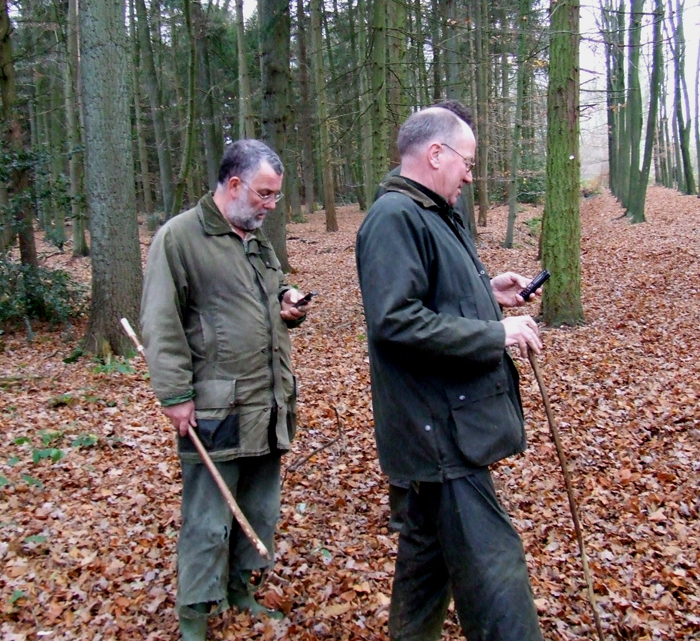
[
  {"x": 569, "y": 490},
  {"x": 226, "y": 493}
]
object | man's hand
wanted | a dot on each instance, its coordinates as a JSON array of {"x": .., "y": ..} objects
[
  {"x": 288, "y": 311},
  {"x": 181, "y": 416},
  {"x": 507, "y": 287},
  {"x": 523, "y": 332}
]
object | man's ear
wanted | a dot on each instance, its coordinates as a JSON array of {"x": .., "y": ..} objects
[
  {"x": 234, "y": 185},
  {"x": 434, "y": 155}
]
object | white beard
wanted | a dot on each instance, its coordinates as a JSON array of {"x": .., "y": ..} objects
[{"x": 243, "y": 215}]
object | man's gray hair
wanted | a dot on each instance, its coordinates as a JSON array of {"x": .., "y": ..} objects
[
  {"x": 427, "y": 125},
  {"x": 244, "y": 157}
]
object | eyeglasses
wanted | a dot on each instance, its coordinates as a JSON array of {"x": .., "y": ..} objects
[
  {"x": 267, "y": 198},
  {"x": 467, "y": 163}
]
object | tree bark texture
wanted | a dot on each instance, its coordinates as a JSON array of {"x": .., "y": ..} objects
[
  {"x": 561, "y": 229},
  {"x": 116, "y": 257}
]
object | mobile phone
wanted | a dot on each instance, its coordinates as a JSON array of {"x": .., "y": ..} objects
[
  {"x": 303, "y": 301},
  {"x": 536, "y": 282}
]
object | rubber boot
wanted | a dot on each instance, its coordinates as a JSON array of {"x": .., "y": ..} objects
[
  {"x": 241, "y": 596},
  {"x": 194, "y": 629}
]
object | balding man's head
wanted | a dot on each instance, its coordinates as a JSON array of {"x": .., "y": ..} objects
[{"x": 426, "y": 126}]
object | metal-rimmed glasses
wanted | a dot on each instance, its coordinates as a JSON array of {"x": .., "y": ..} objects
[
  {"x": 267, "y": 198},
  {"x": 467, "y": 163}
]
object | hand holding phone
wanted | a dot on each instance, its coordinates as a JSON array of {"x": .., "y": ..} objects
[
  {"x": 305, "y": 300},
  {"x": 535, "y": 283}
]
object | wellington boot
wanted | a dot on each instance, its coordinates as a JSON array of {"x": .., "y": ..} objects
[
  {"x": 193, "y": 629},
  {"x": 244, "y": 600}
]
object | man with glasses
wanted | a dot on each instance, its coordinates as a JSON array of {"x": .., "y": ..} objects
[
  {"x": 215, "y": 315},
  {"x": 444, "y": 392}
]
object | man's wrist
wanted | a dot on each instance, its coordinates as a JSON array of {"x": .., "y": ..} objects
[{"x": 176, "y": 400}]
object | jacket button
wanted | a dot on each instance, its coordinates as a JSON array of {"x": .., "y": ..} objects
[
  {"x": 462, "y": 397},
  {"x": 427, "y": 428},
  {"x": 499, "y": 385},
  {"x": 277, "y": 349}
]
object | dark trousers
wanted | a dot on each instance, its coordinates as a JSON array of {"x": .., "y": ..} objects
[{"x": 458, "y": 541}]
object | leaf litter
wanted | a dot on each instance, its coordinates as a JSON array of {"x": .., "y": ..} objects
[{"x": 90, "y": 483}]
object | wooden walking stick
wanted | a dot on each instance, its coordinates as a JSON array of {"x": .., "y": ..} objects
[
  {"x": 221, "y": 484},
  {"x": 569, "y": 490}
]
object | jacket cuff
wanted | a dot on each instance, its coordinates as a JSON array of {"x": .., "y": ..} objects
[{"x": 176, "y": 400}]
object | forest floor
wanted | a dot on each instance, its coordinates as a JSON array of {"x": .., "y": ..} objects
[{"x": 87, "y": 541}]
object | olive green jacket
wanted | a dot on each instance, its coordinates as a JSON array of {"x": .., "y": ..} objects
[{"x": 211, "y": 326}]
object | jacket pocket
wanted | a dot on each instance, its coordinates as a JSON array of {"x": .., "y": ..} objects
[
  {"x": 215, "y": 434},
  {"x": 488, "y": 427}
]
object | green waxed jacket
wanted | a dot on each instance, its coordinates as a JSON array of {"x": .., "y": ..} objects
[
  {"x": 444, "y": 389},
  {"x": 212, "y": 330}
]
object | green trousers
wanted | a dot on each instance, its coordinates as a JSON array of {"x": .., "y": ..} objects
[{"x": 212, "y": 550}]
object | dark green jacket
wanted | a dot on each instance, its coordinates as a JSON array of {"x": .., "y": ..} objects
[
  {"x": 211, "y": 326},
  {"x": 444, "y": 390}
]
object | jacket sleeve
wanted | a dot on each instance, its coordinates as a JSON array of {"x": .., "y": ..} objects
[
  {"x": 162, "y": 328},
  {"x": 394, "y": 266}
]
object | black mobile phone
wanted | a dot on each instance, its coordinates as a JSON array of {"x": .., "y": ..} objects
[
  {"x": 536, "y": 282},
  {"x": 302, "y": 301}
]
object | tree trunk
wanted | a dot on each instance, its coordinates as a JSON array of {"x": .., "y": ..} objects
[
  {"x": 274, "y": 60},
  {"x": 368, "y": 175},
  {"x": 116, "y": 257},
  {"x": 396, "y": 73},
  {"x": 321, "y": 110},
  {"x": 561, "y": 231},
  {"x": 76, "y": 168},
  {"x": 156, "y": 101},
  {"x": 378, "y": 93},
  {"x": 634, "y": 101},
  {"x": 482, "y": 110},
  {"x": 523, "y": 14},
  {"x": 305, "y": 124},
  {"x": 13, "y": 138},
  {"x": 188, "y": 146},
  {"x": 212, "y": 146},
  {"x": 637, "y": 199},
  {"x": 246, "y": 126}
]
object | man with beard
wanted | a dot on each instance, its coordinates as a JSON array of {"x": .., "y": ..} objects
[{"x": 215, "y": 315}]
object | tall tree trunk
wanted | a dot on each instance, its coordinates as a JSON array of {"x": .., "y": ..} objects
[
  {"x": 482, "y": 110},
  {"x": 368, "y": 174},
  {"x": 76, "y": 168},
  {"x": 188, "y": 146},
  {"x": 305, "y": 124},
  {"x": 116, "y": 256},
  {"x": 151, "y": 220},
  {"x": 212, "y": 146},
  {"x": 156, "y": 101},
  {"x": 634, "y": 100},
  {"x": 274, "y": 59},
  {"x": 397, "y": 109},
  {"x": 637, "y": 199},
  {"x": 378, "y": 83},
  {"x": 321, "y": 110},
  {"x": 13, "y": 138},
  {"x": 246, "y": 126},
  {"x": 561, "y": 229},
  {"x": 436, "y": 41},
  {"x": 681, "y": 97},
  {"x": 523, "y": 15}
]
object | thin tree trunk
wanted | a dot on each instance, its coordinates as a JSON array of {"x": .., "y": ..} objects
[
  {"x": 246, "y": 126},
  {"x": 482, "y": 106},
  {"x": 305, "y": 124},
  {"x": 324, "y": 137},
  {"x": 188, "y": 147},
  {"x": 378, "y": 80},
  {"x": 368, "y": 174},
  {"x": 156, "y": 101},
  {"x": 13, "y": 138},
  {"x": 634, "y": 100},
  {"x": 76, "y": 168}
]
